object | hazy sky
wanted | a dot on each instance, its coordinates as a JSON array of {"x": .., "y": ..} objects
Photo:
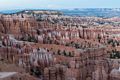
[{"x": 58, "y": 4}]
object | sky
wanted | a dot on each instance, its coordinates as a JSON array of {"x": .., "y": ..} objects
[{"x": 57, "y": 4}]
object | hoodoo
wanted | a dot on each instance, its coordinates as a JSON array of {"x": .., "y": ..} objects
[{"x": 48, "y": 45}]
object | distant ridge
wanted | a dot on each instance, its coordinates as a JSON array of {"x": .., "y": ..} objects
[
  {"x": 22, "y": 10},
  {"x": 96, "y": 12},
  {"x": 10, "y": 11}
]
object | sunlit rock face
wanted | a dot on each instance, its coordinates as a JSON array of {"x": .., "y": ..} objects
[{"x": 16, "y": 24}]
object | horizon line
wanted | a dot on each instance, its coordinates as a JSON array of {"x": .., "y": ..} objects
[{"x": 57, "y": 8}]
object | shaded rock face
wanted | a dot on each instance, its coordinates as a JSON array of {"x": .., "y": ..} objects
[
  {"x": 83, "y": 73},
  {"x": 87, "y": 69},
  {"x": 100, "y": 73}
]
